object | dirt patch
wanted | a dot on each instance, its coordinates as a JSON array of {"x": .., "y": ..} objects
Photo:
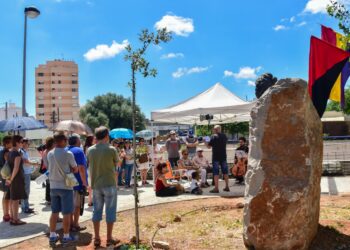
[{"x": 214, "y": 223}]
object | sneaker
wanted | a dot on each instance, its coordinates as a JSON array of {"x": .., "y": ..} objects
[
  {"x": 53, "y": 240},
  {"x": 214, "y": 191},
  {"x": 226, "y": 189},
  {"x": 67, "y": 241}
]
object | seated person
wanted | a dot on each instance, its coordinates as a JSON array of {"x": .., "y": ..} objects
[
  {"x": 240, "y": 167},
  {"x": 163, "y": 188},
  {"x": 195, "y": 188},
  {"x": 186, "y": 163},
  {"x": 203, "y": 163}
]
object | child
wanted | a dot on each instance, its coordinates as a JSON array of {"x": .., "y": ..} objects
[
  {"x": 195, "y": 189},
  {"x": 163, "y": 188}
]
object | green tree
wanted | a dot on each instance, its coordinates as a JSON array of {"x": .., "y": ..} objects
[
  {"x": 237, "y": 128},
  {"x": 204, "y": 130},
  {"x": 139, "y": 64},
  {"x": 339, "y": 11},
  {"x": 111, "y": 110},
  {"x": 335, "y": 106}
]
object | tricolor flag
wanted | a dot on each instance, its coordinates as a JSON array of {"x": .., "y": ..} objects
[
  {"x": 340, "y": 41},
  {"x": 325, "y": 64}
]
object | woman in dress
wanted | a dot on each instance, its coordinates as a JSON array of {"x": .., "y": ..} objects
[{"x": 16, "y": 182}]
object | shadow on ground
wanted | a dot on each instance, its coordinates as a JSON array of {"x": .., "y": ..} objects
[{"x": 331, "y": 239}]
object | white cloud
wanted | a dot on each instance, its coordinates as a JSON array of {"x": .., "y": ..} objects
[
  {"x": 317, "y": 6},
  {"x": 228, "y": 73},
  {"x": 103, "y": 51},
  {"x": 243, "y": 73},
  {"x": 301, "y": 24},
  {"x": 181, "y": 26},
  {"x": 279, "y": 27},
  {"x": 172, "y": 55},
  {"x": 292, "y": 19},
  {"x": 187, "y": 71},
  {"x": 251, "y": 83}
]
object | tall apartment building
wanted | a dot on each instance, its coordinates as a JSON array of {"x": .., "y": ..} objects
[{"x": 57, "y": 92}]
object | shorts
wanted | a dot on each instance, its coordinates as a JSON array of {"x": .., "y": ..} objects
[
  {"x": 106, "y": 196},
  {"x": 143, "y": 166},
  {"x": 62, "y": 201},
  {"x": 216, "y": 169},
  {"x": 76, "y": 198}
]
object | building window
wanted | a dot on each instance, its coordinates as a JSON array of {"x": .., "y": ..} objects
[
  {"x": 40, "y": 83},
  {"x": 40, "y": 74},
  {"x": 41, "y": 114},
  {"x": 40, "y": 98},
  {"x": 58, "y": 74},
  {"x": 74, "y": 97},
  {"x": 53, "y": 89},
  {"x": 53, "y": 82},
  {"x": 53, "y": 98},
  {"x": 53, "y": 73},
  {"x": 59, "y": 81},
  {"x": 40, "y": 105},
  {"x": 74, "y": 82},
  {"x": 53, "y": 105},
  {"x": 74, "y": 90},
  {"x": 41, "y": 90},
  {"x": 74, "y": 74},
  {"x": 75, "y": 105}
]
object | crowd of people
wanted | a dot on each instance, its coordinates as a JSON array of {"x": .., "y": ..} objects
[{"x": 96, "y": 169}]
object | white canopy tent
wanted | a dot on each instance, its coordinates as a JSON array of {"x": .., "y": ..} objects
[{"x": 218, "y": 101}]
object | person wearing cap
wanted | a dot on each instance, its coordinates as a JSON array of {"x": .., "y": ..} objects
[
  {"x": 28, "y": 168},
  {"x": 191, "y": 143},
  {"x": 82, "y": 177},
  {"x": 218, "y": 143},
  {"x": 173, "y": 146},
  {"x": 201, "y": 161}
]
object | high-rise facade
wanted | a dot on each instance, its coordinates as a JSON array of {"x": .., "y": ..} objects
[{"x": 57, "y": 92}]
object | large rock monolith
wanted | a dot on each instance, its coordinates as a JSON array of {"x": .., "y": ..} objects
[{"x": 282, "y": 196}]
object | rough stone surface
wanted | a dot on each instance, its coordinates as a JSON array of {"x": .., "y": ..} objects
[
  {"x": 177, "y": 218},
  {"x": 161, "y": 245},
  {"x": 282, "y": 196}
]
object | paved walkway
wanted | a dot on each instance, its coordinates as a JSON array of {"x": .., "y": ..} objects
[{"x": 38, "y": 223}]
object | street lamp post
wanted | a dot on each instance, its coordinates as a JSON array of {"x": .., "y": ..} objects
[{"x": 30, "y": 12}]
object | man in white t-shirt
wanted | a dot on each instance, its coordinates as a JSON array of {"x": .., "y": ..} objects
[{"x": 28, "y": 168}]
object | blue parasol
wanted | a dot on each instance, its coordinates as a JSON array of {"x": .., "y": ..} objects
[
  {"x": 121, "y": 133},
  {"x": 20, "y": 124}
]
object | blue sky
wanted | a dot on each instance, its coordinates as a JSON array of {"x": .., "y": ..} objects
[{"x": 214, "y": 41}]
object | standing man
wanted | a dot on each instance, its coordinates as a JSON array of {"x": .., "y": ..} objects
[
  {"x": 80, "y": 190},
  {"x": 28, "y": 170},
  {"x": 61, "y": 162},
  {"x": 191, "y": 143},
  {"x": 103, "y": 160},
  {"x": 219, "y": 158},
  {"x": 173, "y": 146}
]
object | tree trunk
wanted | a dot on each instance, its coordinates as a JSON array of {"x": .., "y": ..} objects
[{"x": 136, "y": 195}]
